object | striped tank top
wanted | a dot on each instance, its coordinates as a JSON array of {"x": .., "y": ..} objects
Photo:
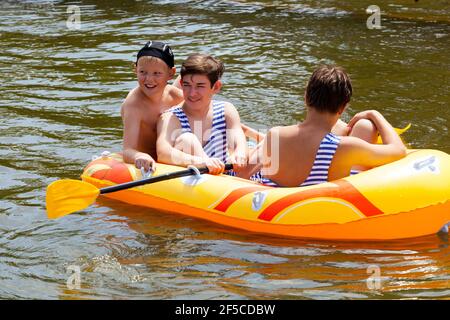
[
  {"x": 322, "y": 162},
  {"x": 321, "y": 165},
  {"x": 216, "y": 146}
]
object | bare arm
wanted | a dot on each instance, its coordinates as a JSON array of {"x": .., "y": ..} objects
[
  {"x": 177, "y": 83},
  {"x": 252, "y": 133},
  {"x": 374, "y": 155},
  {"x": 168, "y": 129},
  {"x": 131, "y": 154},
  {"x": 235, "y": 137}
]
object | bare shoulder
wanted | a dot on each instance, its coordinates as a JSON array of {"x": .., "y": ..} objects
[
  {"x": 229, "y": 108},
  {"x": 132, "y": 102},
  {"x": 132, "y": 96},
  {"x": 276, "y": 133},
  {"x": 168, "y": 125},
  {"x": 284, "y": 131},
  {"x": 276, "y": 129},
  {"x": 231, "y": 113},
  {"x": 340, "y": 128},
  {"x": 174, "y": 94},
  {"x": 228, "y": 105}
]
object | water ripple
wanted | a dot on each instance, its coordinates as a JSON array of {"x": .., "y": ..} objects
[{"x": 60, "y": 101}]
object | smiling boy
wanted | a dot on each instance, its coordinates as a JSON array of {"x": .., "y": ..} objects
[
  {"x": 144, "y": 104},
  {"x": 202, "y": 131}
]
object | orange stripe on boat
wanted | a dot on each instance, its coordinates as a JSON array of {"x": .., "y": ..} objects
[
  {"x": 236, "y": 195},
  {"x": 345, "y": 191}
]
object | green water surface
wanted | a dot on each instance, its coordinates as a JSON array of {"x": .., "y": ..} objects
[{"x": 60, "y": 96}]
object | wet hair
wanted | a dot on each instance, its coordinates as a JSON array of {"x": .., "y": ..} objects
[
  {"x": 329, "y": 89},
  {"x": 203, "y": 64}
]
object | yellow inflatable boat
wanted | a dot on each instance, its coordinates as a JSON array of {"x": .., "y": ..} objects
[{"x": 404, "y": 199}]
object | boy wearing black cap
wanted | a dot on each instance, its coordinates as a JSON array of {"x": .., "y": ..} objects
[{"x": 145, "y": 103}]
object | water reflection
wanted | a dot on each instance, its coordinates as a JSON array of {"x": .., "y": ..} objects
[
  {"x": 227, "y": 263},
  {"x": 59, "y": 104}
]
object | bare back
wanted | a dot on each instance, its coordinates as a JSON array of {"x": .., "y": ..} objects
[{"x": 297, "y": 147}]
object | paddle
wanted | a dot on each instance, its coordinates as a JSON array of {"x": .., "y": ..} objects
[{"x": 67, "y": 196}]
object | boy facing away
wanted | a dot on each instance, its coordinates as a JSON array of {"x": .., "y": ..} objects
[
  {"x": 202, "y": 131},
  {"x": 309, "y": 153},
  {"x": 145, "y": 103}
]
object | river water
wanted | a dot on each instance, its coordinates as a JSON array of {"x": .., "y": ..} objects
[{"x": 61, "y": 90}]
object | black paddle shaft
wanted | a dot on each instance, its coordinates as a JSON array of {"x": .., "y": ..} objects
[{"x": 162, "y": 177}]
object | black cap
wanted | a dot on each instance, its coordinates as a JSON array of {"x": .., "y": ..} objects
[{"x": 157, "y": 49}]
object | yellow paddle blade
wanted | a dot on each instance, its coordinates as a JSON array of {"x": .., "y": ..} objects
[
  {"x": 398, "y": 130},
  {"x": 67, "y": 196}
]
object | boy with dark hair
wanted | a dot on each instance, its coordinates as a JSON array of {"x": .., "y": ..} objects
[
  {"x": 202, "y": 131},
  {"x": 144, "y": 104},
  {"x": 309, "y": 153}
]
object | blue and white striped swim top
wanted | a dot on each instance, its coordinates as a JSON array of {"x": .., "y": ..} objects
[
  {"x": 322, "y": 162},
  {"x": 321, "y": 165},
  {"x": 216, "y": 146}
]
